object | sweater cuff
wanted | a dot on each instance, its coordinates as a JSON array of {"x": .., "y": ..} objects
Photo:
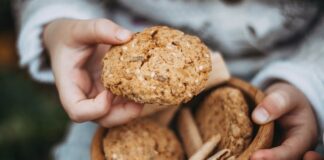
[
  {"x": 30, "y": 46},
  {"x": 305, "y": 79}
]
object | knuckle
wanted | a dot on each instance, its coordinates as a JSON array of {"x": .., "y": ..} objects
[
  {"x": 270, "y": 106},
  {"x": 75, "y": 117},
  {"x": 275, "y": 103},
  {"x": 74, "y": 29},
  {"x": 108, "y": 24},
  {"x": 98, "y": 28},
  {"x": 102, "y": 108},
  {"x": 103, "y": 22}
]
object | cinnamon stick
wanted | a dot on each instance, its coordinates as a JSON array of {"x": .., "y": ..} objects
[
  {"x": 189, "y": 132},
  {"x": 207, "y": 148},
  {"x": 221, "y": 155}
]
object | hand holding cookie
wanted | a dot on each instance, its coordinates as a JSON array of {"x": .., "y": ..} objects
[
  {"x": 158, "y": 66},
  {"x": 291, "y": 109},
  {"x": 76, "y": 48},
  {"x": 162, "y": 66}
]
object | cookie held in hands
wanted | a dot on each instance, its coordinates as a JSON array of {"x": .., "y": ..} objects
[
  {"x": 225, "y": 112},
  {"x": 141, "y": 139},
  {"x": 158, "y": 66}
]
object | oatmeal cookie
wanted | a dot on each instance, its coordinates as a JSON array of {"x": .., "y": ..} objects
[
  {"x": 225, "y": 111},
  {"x": 157, "y": 66},
  {"x": 141, "y": 140}
]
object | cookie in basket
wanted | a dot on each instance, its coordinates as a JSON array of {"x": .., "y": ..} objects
[
  {"x": 160, "y": 65},
  {"x": 142, "y": 139},
  {"x": 225, "y": 112}
]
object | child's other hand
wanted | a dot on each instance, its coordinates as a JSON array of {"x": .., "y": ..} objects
[
  {"x": 291, "y": 109},
  {"x": 76, "y": 48},
  {"x": 311, "y": 155}
]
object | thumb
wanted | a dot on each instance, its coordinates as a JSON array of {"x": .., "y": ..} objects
[
  {"x": 99, "y": 31},
  {"x": 311, "y": 155},
  {"x": 280, "y": 100}
]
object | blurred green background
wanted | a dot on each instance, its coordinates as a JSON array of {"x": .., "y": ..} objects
[{"x": 31, "y": 118}]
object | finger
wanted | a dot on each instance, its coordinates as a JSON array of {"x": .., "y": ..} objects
[
  {"x": 99, "y": 53},
  {"x": 278, "y": 153},
  {"x": 79, "y": 107},
  {"x": 273, "y": 106},
  {"x": 311, "y": 155},
  {"x": 99, "y": 31},
  {"x": 291, "y": 148},
  {"x": 119, "y": 99},
  {"x": 94, "y": 62},
  {"x": 121, "y": 113}
]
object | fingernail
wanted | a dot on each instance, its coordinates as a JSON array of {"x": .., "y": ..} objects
[
  {"x": 261, "y": 115},
  {"x": 123, "y": 34}
]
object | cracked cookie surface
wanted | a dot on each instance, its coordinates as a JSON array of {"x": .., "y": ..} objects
[
  {"x": 142, "y": 140},
  {"x": 225, "y": 111},
  {"x": 158, "y": 66}
]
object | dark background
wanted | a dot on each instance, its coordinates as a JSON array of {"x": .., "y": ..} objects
[{"x": 31, "y": 118}]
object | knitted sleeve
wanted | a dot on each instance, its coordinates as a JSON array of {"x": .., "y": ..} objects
[
  {"x": 31, "y": 17},
  {"x": 305, "y": 70}
]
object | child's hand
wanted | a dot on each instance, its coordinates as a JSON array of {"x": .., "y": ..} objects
[
  {"x": 75, "y": 56},
  {"x": 311, "y": 155},
  {"x": 291, "y": 109}
]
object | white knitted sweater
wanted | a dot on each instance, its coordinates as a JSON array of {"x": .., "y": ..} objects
[{"x": 257, "y": 37}]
